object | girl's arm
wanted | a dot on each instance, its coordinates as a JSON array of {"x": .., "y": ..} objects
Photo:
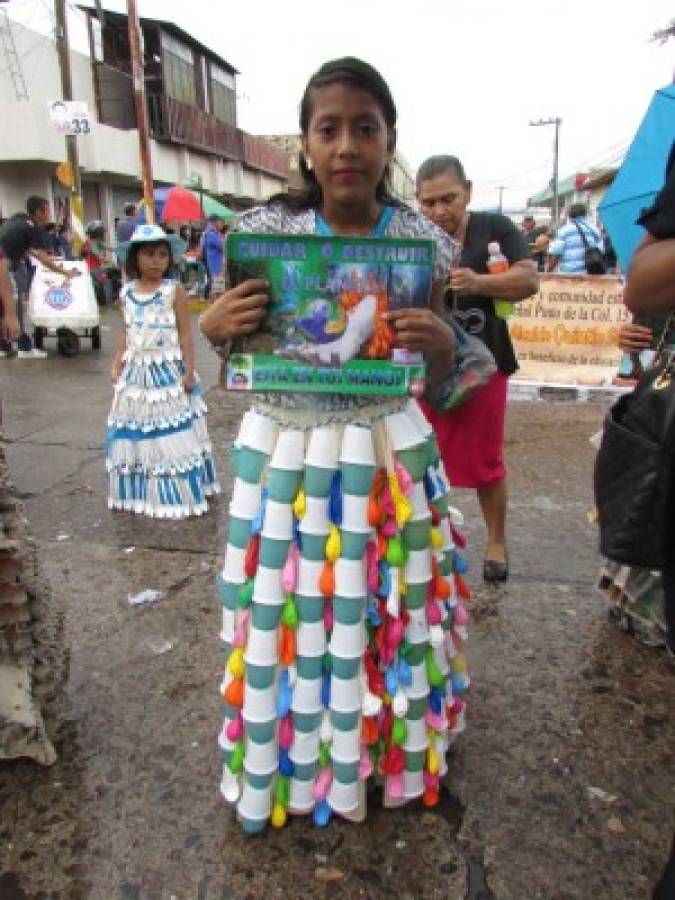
[
  {"x": 519, "y": 283},
  {"x": 184, "y": 326},
  {"x": 118, "y": 359},
  {"x": 650, "y": 281}
]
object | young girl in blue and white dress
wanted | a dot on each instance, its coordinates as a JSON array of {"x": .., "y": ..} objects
[
  {"x": 343, "y": 620},
  {"x": 158, "y": 458}
]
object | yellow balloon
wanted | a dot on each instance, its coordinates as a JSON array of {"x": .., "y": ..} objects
[
  {"x": 300, "y": 504},
  {"x": 432, "y": 761},
  {"x": 279, "y": 816},
  {"x": 436, "y": 539},
  {"x": 236, "y": 662},
  {"x": 333, "y": 544}
]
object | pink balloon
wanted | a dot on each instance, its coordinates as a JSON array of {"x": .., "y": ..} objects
[
  {"x": 365, "y": 765},
  {"x": 388, "y": 501},
  {"x": 322, "y": 783},
  {"x": 328, "y": 616},
  {"x": 437, "y": 721},
  {"x": 388, "y": 530},
  {"x": 235, "y": 729},
  {"x": 289, "y": 574},
  {"x": 430, "y": 781},
  {"x": 286, "y": 733},
  {"x": 394, "y": 634},
  {"x": 405, "y": 482},
  {"x": 395, "y": 785},
  {"x": 461, "y": 617},
  {"x": 433, "y": 613}
]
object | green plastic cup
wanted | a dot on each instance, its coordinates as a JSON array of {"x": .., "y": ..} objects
[
  {"x": 414, "y": 760},
  {"x": 348, "y": 610},
  {"x": 417, "y": 707},
  {"x": 260, "y": 677},
  {"x": 229, "y": 712},
  {"x": 416, "y": 534},
  {"x": 416, "y": 595},
  {"x": 357, "y": 478},
  {"x": 345, "y": 721},
  {"x": 228, "y": 593},
  {"x": 283, "y": 484},
  {"x": 442, "y": 504},
  {"x": 345, "y": 668},
  {"x": 305, "y": 771},
  {"x": 346, "y": 773},
  {"x": 353, "y": 543},
  {"x": 416, "y": 653},
  {"x": 414, "y": 460},
  {"x": 306, "y": 722},
  {"x": 310, "y": 609},
  {"x": 260, "y": 732},
  {"x": 273, "y": 552},
  {"x": 433, "y": 456},
  {"x": 313, "y": 546},
  {"x": 445, "y": 565},
  {"x": 239, "y": 532},
  {"x": 251, "y": 827},
  {"x": 317, "y": 481},
  {"x": 265, "y": 616},
  {"x": 249, "y": 464},
  {"x": 259, "y": 782},
  {"x": 309, "y": 667}
]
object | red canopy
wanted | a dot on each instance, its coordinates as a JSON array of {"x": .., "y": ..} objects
[{"x": 181, "y": 205}]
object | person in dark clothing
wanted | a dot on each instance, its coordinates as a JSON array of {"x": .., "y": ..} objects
[
  {"x": 538, "y": 239},
  {"x": 125, "y": 227}
]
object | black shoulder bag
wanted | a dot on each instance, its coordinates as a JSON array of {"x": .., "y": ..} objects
[
  {"x": 594, "y": 261},
  {"x": 634, "y": 467}
]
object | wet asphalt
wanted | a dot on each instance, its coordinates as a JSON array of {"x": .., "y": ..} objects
[{"x": 561, "y": 701}]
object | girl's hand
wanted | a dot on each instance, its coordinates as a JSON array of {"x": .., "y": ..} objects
[
  {"x": 10, "y": 327},
  {"x": 465, "y": 281},
  {"x": 189, "y": 381},
  {"x": 422, "y": 330},
  {"x": 237, "y": 312},
  {"x": 634, "y": 338},
  {"x": 116, "y": 370}
]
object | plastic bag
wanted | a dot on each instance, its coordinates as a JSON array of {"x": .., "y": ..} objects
[{"x": 474, "y": 366}]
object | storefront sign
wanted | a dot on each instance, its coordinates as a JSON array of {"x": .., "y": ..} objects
[
  {"x": 568, "y": 332},
  {"x": 70, "y": 117}
]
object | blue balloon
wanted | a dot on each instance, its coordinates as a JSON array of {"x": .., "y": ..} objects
[
  {"x": 429, "y": 488},
  {"x": 458, "y": 684},
  {"x": 259, "y": 518},
  {"x": 460, "y": 565},
  {"x": 436, "y": 700},
  {"x": 285, "y": 694},
  {"x": 335, "y": 499},
  {"x": 391, "y": 681},
  {"x": 385, "y": 578},
  {"x": 374, "y": 616},
  {"x": 322, "y": 813},
  {"x": 404, "y": 673},
  {"x": 297, "y": 535},
  {"x": 286, "y": 766},
  {"x": 325, "y": 689}
]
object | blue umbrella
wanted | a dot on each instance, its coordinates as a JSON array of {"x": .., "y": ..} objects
[{"x": 641, "y": 175}]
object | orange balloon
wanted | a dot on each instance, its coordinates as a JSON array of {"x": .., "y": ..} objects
[
  {"x": 234, "y": 693},
  {"x": 327, "y": 581}
]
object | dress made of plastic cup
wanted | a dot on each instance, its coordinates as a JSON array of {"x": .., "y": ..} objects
[
  {"x": 233, "y": 568},
  {"x": 347, "y": 641},
  {"x": 311, "y": 639},
  {"x": 417, "y": 707},
  {"x": 267, "y": 587},
  {"x": 278, "y": 522},
  {"x": 417, "y": 535},
  {"x": 413, "y": 784},
  {"x": 433, "y": 452},
  {"x": 350, "y": 578},
  {"x": 418, "y": 567},
  {"x": 254, "y": 807},
  {"x": 227, "y": 632},
  {"x": 262, "y": 759},
  {"x": 262, "y": 648},
  {"x": 448, "y": 543},
  {"x": 346, "y": 772},
  {"x": 420, "y": 682},
  {"x": 403, "y": 432},
  {"x": 261, "y": 677},
  {"x": 354, "y": 543},
  {"x": 261, "y": 731},
  {"x": 417, "y": 629},
  {"x": 417, "y": 737},
  {"x": 419, "y": 502},
  {"x": 257, "y": 431},
  {"x": 355, "y": 513},
  {"x": 345, "y": 668},
  {"x": 259, "y": 782},
  {"x": 416, "y": 594},
  {"x": 318, "y": 481},
  {"x": 248, "y": 464},
  {"x": 259, "y": 705},
  {"x": 265, "y": 617},
  {"x": 307, "y": 722},
  {"x": 228, "y": 592},
  {"x": 345, "y": 721},
  {"x": 307, "y": 695},
  {"x": 309, "y": 573},
  {"x": 345, "y": 746},
  {"x": 273, "y": 552},
  {"x": 310, "y": 609},
  {"x": 343, "y": 798},
  {"x": 239, "y": 531},
  {"x": 414, "y": 760},
  {"x": 309, "y": 667},
  {"x": 305, "y": 747},
  {"x": 315, "y": 519},
  {"x": 322, "y": 449},
  {"x": 289, "y": 451},
  {"x": 345, "y": 694},
  {"x": 414, "y": 460},
  {"x": 246, "y": 499},
  {"x": 301, "y": 798},
  {"x": 348, "y": 610},
  {"x": 418, "y": 417},
  {"x": 357, "y": 478},
  {"x": 283, "y": 484},
  {"x": 357, "y": 446},
  {"x": 416, "y": 655},
  {"x": 441, "y": 658},
  {"x": 305, "y": 771}
]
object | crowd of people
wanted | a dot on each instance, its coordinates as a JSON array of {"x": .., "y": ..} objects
[{"x": 344, "y": 602}]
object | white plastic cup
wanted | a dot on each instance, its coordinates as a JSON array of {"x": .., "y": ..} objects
[
  {"x": 345, "y": 746},
  {"x": 403, "y": 431},
  {"x": 255, "y": 804},
  {"x": 311, "y": 638},
  {"x": 257, "y": 431},
  {"x": 417, "y": 630},
  {"x": 305, "y": 747},
  {"x": 233, "y": 568},
  {"x": 278, "y": 522},
  {"x": 350, "y": 578},
  {"x": 246, "y": 499},
  {"x": 417, "y": 738},
  {"x": 418, "y": 567},
  {"x": 261, "y": 759},
  {"x": 345, "y": 697},
  {"x": 347, "y": 641},
  {"x": 267, "y": 587},
  {"x": 413, "y": 410},
  {"x": 315, "y": 519},
  {"x": 301, "y": 799},
  {"x": 413, "y": 784},
  {"x": 355, "y": 513},
  {"x": 229, "y": 626},
  {"x": 343, "y": 798},
  {"x": 307, "y": 696},
  {"x": 419, "y": 686},
  {"x": 419, "y": 502},
  {"x": 259, "y": 704},
  {"x": 309, "y": 573},
  {"x": 322, "y": 449},
  {"x": 262, "y": 648},
  {"x": 289, "y": 451},
  {"x": 441, "y": 658},
  {"x": 357, "y": 446},
  {"x": 448, "y": 543}
]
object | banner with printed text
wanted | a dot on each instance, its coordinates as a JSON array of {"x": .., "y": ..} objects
[{"x": 567, "y": 333}]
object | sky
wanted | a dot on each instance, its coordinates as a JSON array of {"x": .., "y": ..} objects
[{"x": 467, "y": 77}]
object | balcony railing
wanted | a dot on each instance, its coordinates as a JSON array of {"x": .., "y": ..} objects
[{"x": 180, "y": 123}]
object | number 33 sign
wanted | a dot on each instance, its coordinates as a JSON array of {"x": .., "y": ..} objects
[{"x": 69, "y": 116}]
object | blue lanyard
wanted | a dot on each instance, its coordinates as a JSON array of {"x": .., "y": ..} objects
[{"x": 323, "y": 228}]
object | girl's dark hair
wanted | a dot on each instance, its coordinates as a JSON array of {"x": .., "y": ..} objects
[
  {"x": 131, "y": 264},
  {"x": 358, "y": 74},
  {"x": 439, "y": 165}
]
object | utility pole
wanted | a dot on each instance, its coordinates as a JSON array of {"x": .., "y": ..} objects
[
  {"x": 557, "y": 122},
  {"x": 141, "y": 109},
  {"x": 501, "y": 190},
  {"x": 62, "y": 49}
]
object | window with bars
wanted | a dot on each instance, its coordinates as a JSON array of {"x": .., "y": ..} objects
[
  {"x": 223, "y": 95},
  {"x": 179, "y": 72}
]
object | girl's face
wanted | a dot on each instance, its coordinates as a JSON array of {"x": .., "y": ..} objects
[
  {"x": 153, "y": 260},
  {"x": 444, "y": 200},
  {"x": 348, "y": 143}
]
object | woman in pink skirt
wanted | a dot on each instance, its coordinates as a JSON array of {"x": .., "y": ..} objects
[{"x": 471, "y": 438}]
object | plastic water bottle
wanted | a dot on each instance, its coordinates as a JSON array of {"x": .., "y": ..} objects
[{"x": 497, "y": 264}]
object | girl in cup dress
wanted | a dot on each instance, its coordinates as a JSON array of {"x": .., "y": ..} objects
[{"x": 342, "y": 589}]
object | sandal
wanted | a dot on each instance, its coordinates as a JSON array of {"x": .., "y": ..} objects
[{"x": 495, "y": 570}]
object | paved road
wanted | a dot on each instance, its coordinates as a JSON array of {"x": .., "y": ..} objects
[{"x": 560, "y": 702}]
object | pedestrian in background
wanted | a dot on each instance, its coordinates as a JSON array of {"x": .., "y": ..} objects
[
  {"x": 213, "y": 251},
  {"x": 538, "y": 240},
  {"x": 471, "y": 437},
  {"x": 568, "y": 250},
  {"x": 125, "y": 227}
]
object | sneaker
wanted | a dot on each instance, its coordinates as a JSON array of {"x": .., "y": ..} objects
[{"x": 32, "y": 354}]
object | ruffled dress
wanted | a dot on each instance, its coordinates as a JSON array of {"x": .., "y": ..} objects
[
  {"x": 158, "y": 453},
  {"x": 343, "y": 603}
]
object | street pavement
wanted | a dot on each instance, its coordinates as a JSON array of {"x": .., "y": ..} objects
[{"x": 561, "y": 788}]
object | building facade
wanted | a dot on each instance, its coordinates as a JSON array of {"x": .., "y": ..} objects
[{"x": 192, "y": 113}]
